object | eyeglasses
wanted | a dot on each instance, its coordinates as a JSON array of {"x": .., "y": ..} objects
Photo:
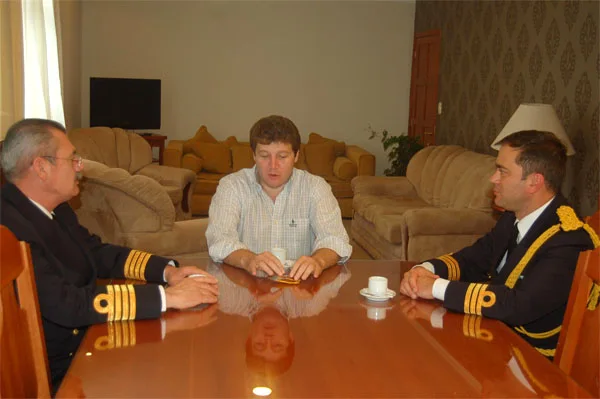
[{"x": 77, "y": 160}]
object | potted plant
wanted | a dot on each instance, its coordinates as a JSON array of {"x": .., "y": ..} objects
[{"x": 400, "y": 150}]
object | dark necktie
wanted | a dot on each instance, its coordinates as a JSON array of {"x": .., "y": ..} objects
[{"x": 513, "y": 240}]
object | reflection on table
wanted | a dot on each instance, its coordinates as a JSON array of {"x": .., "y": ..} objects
[{"x": 321, "y": 339}]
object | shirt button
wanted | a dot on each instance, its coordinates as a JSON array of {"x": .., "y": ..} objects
[
  {"x": 70, "y": 354},
  {"x": 75, "y": 331}
]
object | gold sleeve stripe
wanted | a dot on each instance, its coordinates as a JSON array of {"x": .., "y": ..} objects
[
  {"x": 452, "y": 265},
  {"x": 132, "y": 302},
  {"x": 592, "y": 235},
  {"x": 540, "y": 335},
  {"x": 135, "y": 265},
  {"x": 594, "y": 297},
  {"x": 120, "y": 335},
  {"x": 477, "y": 297},
  {"x": 117, "y": 304}
]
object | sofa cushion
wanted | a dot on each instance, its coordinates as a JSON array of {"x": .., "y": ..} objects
[
  {"x": 344, "y": 169},
  {"x": 320, "y": 158},
  {"x": 191, "y": 162},
  {"x": 339, "y": 188},
  {"x": 340, "y": 146},
  {"x": 202, "y": 135},
  {"x": 216, "y": 157},
  {"x": 241, "y": 157},
  {"x": 231, "y": 141},
  {"x": 206, "y": 183}
]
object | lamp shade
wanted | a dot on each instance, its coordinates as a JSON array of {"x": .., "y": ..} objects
[{"x": 540, "y": 117}]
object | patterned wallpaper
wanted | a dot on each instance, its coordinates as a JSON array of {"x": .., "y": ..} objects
[{"x": 496, "y": 55}]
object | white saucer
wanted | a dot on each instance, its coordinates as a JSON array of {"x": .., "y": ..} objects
[{"x": 389, "y": 295}]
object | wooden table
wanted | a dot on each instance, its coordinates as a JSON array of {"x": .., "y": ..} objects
[
  {"x": 338, "y": 350},
  {"x": 156, "y": 140}
]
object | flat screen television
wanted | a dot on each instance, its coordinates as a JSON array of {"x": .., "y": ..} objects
[{"x": 125, "y": 103}]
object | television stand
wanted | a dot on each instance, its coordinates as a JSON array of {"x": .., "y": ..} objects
[{"x": 155, "y": 140}]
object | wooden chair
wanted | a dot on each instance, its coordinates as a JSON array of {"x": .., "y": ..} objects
[
  {"x": 578, "y": 351},
  {"x": 24, "y": 371}
]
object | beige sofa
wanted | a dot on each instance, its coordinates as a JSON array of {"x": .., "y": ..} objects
[
  {"x": 116, "y": 148},
  {"x": 443, "y": 204},
  {"x": 135, "y": 211},
  {"x": 211, "y": 159}
]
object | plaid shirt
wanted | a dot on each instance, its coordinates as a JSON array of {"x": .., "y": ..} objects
[{"x": 304, "y": 217}]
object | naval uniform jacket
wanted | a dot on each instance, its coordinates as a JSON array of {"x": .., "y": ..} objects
[
  {"x": 67, "y": 260},
  {"x": 531, "y": 291}
]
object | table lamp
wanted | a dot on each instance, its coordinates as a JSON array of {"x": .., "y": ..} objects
[{"x": 535, "y": 117}]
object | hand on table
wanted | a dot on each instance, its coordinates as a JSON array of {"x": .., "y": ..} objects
[
  {"x": 266, "y": 262},
  {"x": 304, "y": 267},
  {"x": 418, "y": 283},
  {"x": 174, "y": 275},
  {"x": 192, "y": 291}
]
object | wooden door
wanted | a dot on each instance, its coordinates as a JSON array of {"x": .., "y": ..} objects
[{"x": 424, "y": 86}]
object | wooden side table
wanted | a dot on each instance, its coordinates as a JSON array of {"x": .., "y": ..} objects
[{"x": 156, "y": 140}]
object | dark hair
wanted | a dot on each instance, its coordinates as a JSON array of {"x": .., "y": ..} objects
[
  {"x": 273, "y": 129},
  {"x": 259, "y": 365},
  {"x": 540, "y": 152},
  {"x": 24, "y": 142}
]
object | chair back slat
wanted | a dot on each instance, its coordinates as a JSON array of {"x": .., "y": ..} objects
[
  {"x": 579, "y": 343},
  {"x": 24, "y": 371}
]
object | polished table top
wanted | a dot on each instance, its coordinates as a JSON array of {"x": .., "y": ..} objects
[{"x": 323, "y": 339}]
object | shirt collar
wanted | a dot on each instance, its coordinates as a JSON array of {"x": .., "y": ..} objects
[
  {"x": 525, "y": 224},
  {"x": 46, "y": 212}
]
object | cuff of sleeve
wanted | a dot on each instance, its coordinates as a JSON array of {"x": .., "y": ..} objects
[
  {"x": 426, "y": 265},
  {"x": 171, "y": 263},
  {"x": 163, "y": 299},
  {"x": 439, "y": 288}
]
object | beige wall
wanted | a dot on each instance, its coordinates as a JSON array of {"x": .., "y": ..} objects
[
  {"x": 332, "y": 67},
  {"x": 70, "y": 32}
]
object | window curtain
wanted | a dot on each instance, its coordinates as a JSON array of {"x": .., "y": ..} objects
[
  {"x": 42, "y": 92},
  {"x": 11, "y": 65}
]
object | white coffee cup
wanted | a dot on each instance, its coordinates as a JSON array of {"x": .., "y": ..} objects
[
  {"x": 280, "y": 253},
  {"x": 374, "y": 313},
  {"x": 378, "y": 286}
]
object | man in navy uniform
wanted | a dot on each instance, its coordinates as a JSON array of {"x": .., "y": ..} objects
[
  {"x": 521, "y": 271},
  {"x": 43, "y": 170}
]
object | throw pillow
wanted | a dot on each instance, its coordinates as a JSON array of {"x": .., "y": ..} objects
[
  {"x": 344, "y": 168},
  {"x": 320, "y": 158},
  {"x": 231, "y": 141},
  {"x": 340, "y": 146},
  {"x": 301, "y": 163},
  {"x": 216, "y": 157},
  {"x": 242, "y": 157},
  {"x": 202, "y": 135}
]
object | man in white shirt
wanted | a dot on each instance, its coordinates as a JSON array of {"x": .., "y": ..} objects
[
  {"x": 274, "y": 205},
  {"x": 521, "y": 271}
]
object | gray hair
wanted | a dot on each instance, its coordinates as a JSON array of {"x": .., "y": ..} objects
[{"x": 24, "y": 142}]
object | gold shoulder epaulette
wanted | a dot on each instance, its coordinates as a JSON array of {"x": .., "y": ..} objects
[{"x": 568, "y": 222}]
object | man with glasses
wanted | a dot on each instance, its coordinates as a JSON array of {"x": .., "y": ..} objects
[{"x": 43, "y": 171}]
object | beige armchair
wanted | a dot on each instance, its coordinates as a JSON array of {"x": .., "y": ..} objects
[
  {"x": 116, "y": 148},
  {"x": 443, "y": 204},
  {"x": 135, "y": 211}
]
